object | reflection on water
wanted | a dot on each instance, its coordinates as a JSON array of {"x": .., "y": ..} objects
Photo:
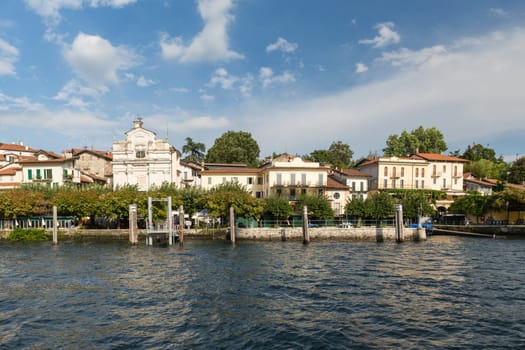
[{"x": 447, "y": 292}]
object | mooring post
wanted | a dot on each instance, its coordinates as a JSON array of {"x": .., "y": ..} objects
[
  {"x": 421, "y": 232},
  {"x": 55, "y": 225},
  {"x": 306, "y": 235},
  {"x": 149, "y": 225},
  {"x": 133, "y": 229},
  {"x": 399, "y": 223},
  {"x": 232, "y": 225},
  {"x": 181, "y": 228},
  {"x": 170, "y": 221}
]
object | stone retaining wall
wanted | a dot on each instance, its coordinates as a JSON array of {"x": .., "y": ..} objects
[{"x": 377, "y": 234}]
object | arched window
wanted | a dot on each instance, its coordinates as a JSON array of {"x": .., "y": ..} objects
[
  {"x": 402, "y": 171},
  {"x": 386, "y": 171},
  {"x": 394, "y": 172},
  {"x": 417, "y": 172}
]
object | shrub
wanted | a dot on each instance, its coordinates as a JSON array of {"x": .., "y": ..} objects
[{"x": 32, "y": 234}]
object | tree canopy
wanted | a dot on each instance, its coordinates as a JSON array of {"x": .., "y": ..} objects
[
  {"x": 517, "y": 171},
  {"x": 477, "y": 152},
  {"x": 196, "y": 151},
  {"x": 234, "y": 147},
  {"x": 338, "y": 155},
  {"x": 421, "y": 140}
]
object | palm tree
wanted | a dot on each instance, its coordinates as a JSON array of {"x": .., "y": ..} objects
[{"x": 195, "y": 150}]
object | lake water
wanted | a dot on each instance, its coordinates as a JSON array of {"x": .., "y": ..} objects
[{"x": 444, "y": 293}]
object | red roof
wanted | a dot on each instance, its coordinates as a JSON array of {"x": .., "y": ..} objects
[
  {"x": 438, "y": 157},
  {"x": 353, "y": 172},
  {"x": 334, "y": 184},
  {"x": 231, "y": 171},
  {"x": 15, "y": 147},
  {"x": 9, "y": 171}
]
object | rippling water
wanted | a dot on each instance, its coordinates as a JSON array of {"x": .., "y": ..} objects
[{"x": 445, "y": 293}]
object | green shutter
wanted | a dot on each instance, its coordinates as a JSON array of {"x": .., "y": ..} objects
[{"x": 30, "y": 174}]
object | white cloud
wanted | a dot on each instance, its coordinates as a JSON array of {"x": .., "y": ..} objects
[
  {"x": 74, "y": 93},
  {"x": 185, "y": 123},
  {"x": 499, "y": 12},
  {"x": 8, "y": 103},
  {"x": 207, "y": 98},
  {"x": 180, "y": 90},
  {"x": 8, "y": 57},
  {"x": 143, "y": 82},
  {"x": 211, "y": 44},
  {"x": 471, "y": 93},
  {"x": 282, "y": 45},
  {"x": 246, "y": 85},
  {"x": 386, "y": 36},
  {"x": 267, "y": 77},
  {"x": 96, "y": 60},
  {"x": 50, "y": 9},
  {"x": 360, "y": 68},
  {"x": 222, "y": 78},
  {"x": 404, "y": 56}
]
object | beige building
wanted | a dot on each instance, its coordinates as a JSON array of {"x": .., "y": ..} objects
[
  {"x": 143, "y": 159},
  {"x": 421, "y": 171},
  {"x": 287, "y": 176}
]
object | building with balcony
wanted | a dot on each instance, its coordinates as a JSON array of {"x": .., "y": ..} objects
[
  {"x": 48, "y": 168},
  {"x": 421, "y": 171},
  {"x": 285, "y": 176}
]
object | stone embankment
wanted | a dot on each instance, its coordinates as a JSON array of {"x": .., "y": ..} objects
[{"x": 376, "y": 234}]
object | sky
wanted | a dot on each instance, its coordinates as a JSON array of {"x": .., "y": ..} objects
[{"x": 296, "y": 74}]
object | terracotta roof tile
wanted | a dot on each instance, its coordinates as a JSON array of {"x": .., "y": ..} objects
[
  {"x": 438, "y": 157},
  {"x": 353, "y": 172},
  {"x": 333, "y": 183}
]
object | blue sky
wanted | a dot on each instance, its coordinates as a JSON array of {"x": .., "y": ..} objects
[{"x": 296, "y": 74}]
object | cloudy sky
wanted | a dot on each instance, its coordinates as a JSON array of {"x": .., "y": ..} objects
[{"x": 296, "y": 74}]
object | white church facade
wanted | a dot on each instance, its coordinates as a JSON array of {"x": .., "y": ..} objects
[{"x": 145, "y": 160}]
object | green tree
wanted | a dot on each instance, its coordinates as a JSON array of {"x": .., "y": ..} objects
[
  {"x": 380, "y": 205},
  {"x": 517, "y": 171},
  {"x": 115, "y": 204},
  {"x": 222, "y": 197},
  {"x": 23, "y": 202},
  {"x": 477, "y": 152},
  {"x": 471, "y": 204},
  {"x": 356, "y": 208},
  {"x": 234, "y": 147},
  {"x": 414, "y": 201},
  {"x": 318, "y": 206},
  {"x": 196, "y": 151},
  {"x": 420, "y": 140},
  {"x": 278, "y": 207},
  {"x": 339, "y": 155},
  {"x": 484, "y": 168}
]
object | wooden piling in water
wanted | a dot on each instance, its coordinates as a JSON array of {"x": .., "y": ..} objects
[
  {"x": 133, "y": 227},
  {"x": 55, "y": 225},
  {"x": 181, "y": 226},
  {"x": 306, "y": 235},
  {"x": 399, "y": 223},
  {"x": 232, "y": 225}
]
